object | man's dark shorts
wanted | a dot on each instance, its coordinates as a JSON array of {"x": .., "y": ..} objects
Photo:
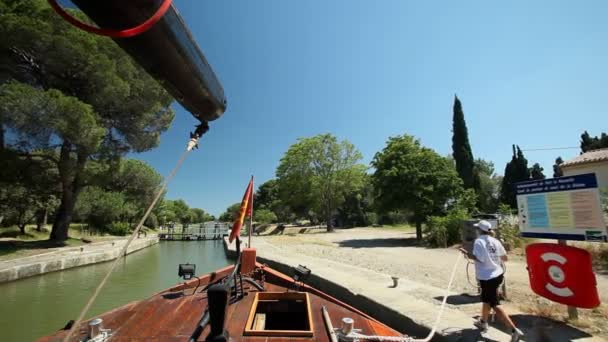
[{"x": 489, "y": 290}]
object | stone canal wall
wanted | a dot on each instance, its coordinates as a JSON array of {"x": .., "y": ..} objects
[{"x": 68, "y": 257}]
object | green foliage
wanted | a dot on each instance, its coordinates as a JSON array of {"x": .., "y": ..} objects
[
  {"x": 589, "y": 143},
  {"x": 119, "y": 228},
  {"x": 39, "y": 117},
  {"x": 461, "y": 149},
  {"x": 62, "y": 87},
  {"x": 151, "y": 221},
  {"x": 510, "y": 235},
  {"x": 395, "y": 217},
  {"x": 357, "y": 206},
  {"x": 557, "y": 167},
  {"x": 444, "y": 231},
  {"x": 164, "y": 212},
  {"x": 315, "y": 175},
  {"x": 536, "y": 172},
  {"x": 267, "y": 197},
  {"x": 200, "y": 216},
  {"x": 100, "y": 208},
  {"x": 264, "y": 216},
  {"x": 489, "y": 190},
  {"x": 414, "y": 178},
  {"x": 182, "y": 212},
  {"x": 231, "y": 212},
  {"x": 505, "y": 209},
  {"x": 136, "y": 179},
  {"x": 27, "y": 187},
  {"x": 515, "y": 171}
]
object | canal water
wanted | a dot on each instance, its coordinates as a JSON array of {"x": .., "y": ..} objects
[{"x": 37, "y": 306}]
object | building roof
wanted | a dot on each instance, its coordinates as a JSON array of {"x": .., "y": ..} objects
[{"x": 588, "y": 157}]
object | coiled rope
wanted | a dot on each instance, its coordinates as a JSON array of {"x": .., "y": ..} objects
[{"x": 123, "y": 251}]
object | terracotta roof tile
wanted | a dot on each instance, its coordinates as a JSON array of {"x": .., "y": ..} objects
[{"x": 593, "y": 156}]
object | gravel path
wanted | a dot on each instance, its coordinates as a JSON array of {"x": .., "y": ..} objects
[{"x": 395, "y": 253}]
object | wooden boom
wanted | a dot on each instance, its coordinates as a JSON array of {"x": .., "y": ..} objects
[{"x": 166, "y": 51}]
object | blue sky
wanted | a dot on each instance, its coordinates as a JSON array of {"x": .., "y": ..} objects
[{"x": 527, "y": 73}]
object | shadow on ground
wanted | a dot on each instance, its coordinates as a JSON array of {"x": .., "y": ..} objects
[
  {"x": 466, "y": 335},
  {"x": 544, "y": 329},
  {"x": 373, "y": 243},
  {"x": 535, "y": 328},
  {"x": 461, "y": 299},
  {"x": 14, "y": 234}
]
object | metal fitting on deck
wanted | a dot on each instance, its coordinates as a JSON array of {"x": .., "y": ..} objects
[
  {"x": 96, "y": 331},
  {"x": 395, "y": 281}
]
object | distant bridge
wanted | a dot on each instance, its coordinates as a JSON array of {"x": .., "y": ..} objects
[{"x": 194, "y": 232}]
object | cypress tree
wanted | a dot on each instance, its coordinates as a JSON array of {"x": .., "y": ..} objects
[
  {"x": 515, "y": 171},
  {"x": 461, "y": 149}
]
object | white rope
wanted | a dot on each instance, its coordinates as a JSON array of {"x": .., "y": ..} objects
[
  {"x": 123, "y": 251},
  {"x": 356, "y": 335}
]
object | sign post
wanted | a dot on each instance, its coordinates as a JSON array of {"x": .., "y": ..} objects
[{"x": 564, "y": 208}]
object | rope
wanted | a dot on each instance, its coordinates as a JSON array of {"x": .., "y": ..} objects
[
  {"x": 435, "y": 325},
  {"x": 126, "y": 33},
  {"x": 469, "y": 263},
  {"x": 123, "y": 251}
]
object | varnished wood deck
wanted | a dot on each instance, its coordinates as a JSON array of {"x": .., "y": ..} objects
[{"x": 172, "y": 315}]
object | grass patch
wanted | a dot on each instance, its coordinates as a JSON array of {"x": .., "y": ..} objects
[{"x": 16, "y": 245}]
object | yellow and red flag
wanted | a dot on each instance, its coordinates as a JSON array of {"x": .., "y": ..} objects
[{"x": 246, "y": 209}]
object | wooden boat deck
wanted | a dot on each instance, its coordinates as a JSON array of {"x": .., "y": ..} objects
[{"x": 172, "y": 315}]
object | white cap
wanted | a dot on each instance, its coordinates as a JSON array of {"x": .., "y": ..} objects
[{"x": 483, "y": 225}]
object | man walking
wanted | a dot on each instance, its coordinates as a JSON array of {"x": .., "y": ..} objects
[{"x": 489, "y": 254}]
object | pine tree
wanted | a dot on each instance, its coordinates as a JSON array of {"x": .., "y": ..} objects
[
  {"x": 461, "y": 149},
  {"x": 536, "y": 172},
  {"x": 589, "y": 143}
]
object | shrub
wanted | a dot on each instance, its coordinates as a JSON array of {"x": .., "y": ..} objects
[
  {"x": 118, "y": 228},
  {"x": 436, "y": 231},
  {"x": 395, "y": 217},
  {"x": 510, "y": 235},
  {"x": 443, "y": 231},
  {"x": 264, "y": 216},
  {"x": 151, "y": 221},
  {"x": 371, "y": 218}
]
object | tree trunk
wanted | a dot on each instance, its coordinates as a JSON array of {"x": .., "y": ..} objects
[
  {"x": 71, "y": 184},
  {"x": 41, "y": 218},
  {"x": 1, "y": 137},
  {"x": 22, "y": 227},
  {"x": 328, "y": 219},
  {"x": 419, "y": 230}
]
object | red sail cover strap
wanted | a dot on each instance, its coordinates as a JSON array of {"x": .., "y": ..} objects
[
  {"x": 243, "y": 212},
  {"x": 139, "y": 29}
]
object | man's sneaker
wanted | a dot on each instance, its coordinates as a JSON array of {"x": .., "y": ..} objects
[
  {"x": 483, "y": 326},
  {"x": 516, "y": 335}
]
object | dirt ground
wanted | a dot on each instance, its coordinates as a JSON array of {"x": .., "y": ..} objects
[{"x": 396, "y": 253}]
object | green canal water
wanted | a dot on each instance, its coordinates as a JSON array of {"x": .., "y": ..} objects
[{"x": 37, "y": 306}]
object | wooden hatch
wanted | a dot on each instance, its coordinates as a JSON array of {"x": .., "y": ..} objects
[{"x": 280, "y": 314}]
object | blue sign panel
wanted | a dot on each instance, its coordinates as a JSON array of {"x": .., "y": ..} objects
[{"x": 566, "y": 208}]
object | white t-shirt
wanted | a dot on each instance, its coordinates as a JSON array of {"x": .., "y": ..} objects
[{"x": 488, "y": 251}]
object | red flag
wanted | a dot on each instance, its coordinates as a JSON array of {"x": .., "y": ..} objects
[{"x": 243, "y": 212}]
